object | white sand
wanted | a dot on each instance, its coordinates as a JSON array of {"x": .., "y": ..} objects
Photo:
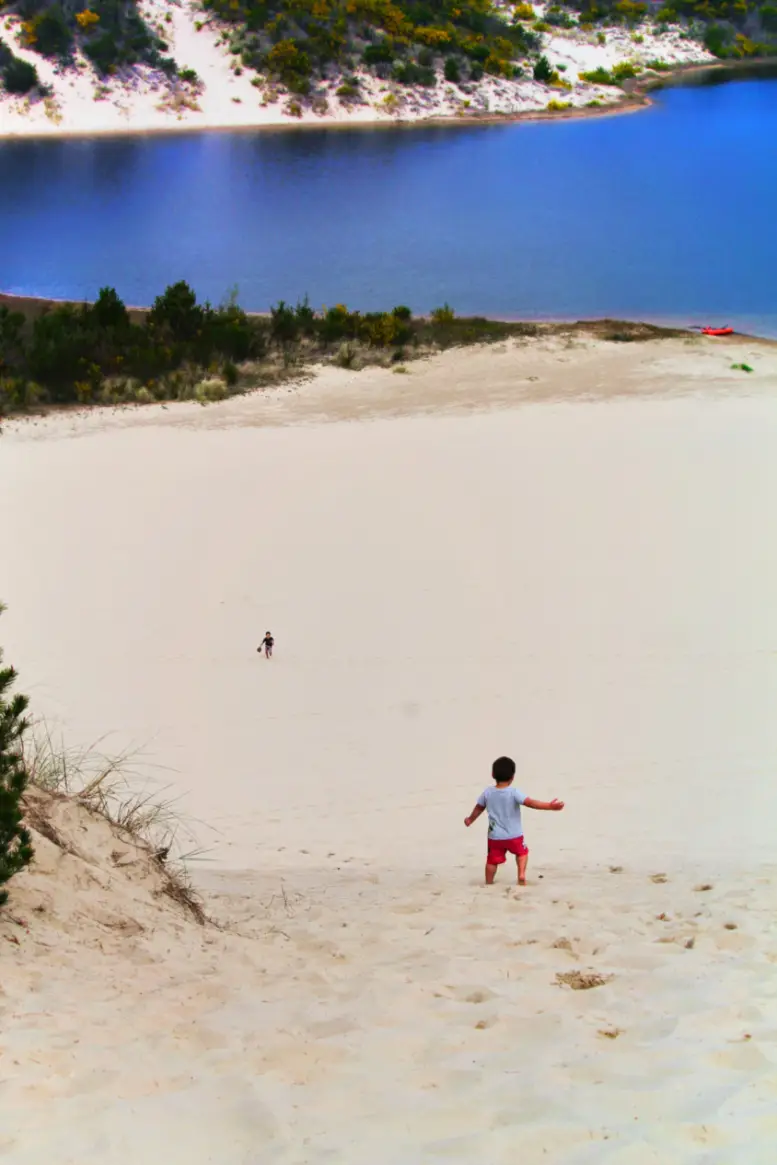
[
  {"x": 559, "y": 552},
  {"x": 84, "y": 103}
]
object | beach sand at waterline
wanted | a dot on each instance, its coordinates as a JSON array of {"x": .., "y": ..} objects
[{"x": 561, "y": 551}]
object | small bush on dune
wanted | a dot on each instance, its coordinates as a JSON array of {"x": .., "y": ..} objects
[
  {"x": 15, "y": 842},
  {"x": 598, "y": 76},
  {"x": 543, "y": 70},
  {"x": 19, "y": 77},
  {"x": 443, "y": 315}
]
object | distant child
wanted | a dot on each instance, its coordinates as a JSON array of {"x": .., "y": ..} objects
[
  {"x": 505, "y": 831},
  {"x": 267, "y": 644}
]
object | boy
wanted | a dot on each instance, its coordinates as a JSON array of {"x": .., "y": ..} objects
[
  {"x": 267, "y": 643},
  {"x": 505, "y": 832}
]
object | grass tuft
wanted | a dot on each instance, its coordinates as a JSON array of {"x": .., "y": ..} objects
[{"x": 111, "y": 786}]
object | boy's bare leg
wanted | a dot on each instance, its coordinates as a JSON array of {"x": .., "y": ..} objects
[
  {"x": 523, "y": 861},
  {"x": 490, "y": 873}
]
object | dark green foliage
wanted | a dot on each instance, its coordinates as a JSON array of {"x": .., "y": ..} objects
[
  {"x": 19, "y": 76},
  {"x": 559, "y": 18},
  {"x": 119, "y": 35},
  {"x": 598, "y": 76},
  {"x": 417, "y": 33},
  {"x": 376, "y": 54},
  {"x": 109, "y": 311},
  {"x": 410, "y": 73},
  {"x": 15, "y": 842},
  {"x": 176, "y": 313},
  {"x": 716, "y": 40},
  {"x": 452, "y": 70},
  {"x": 53, "y": 33},
  {"x": 723, "y": 20},
  {"x": 98, "y": 354},
  {"x": 543, "y": 70}
]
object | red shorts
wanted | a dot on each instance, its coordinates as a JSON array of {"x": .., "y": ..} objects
[{"x": 500, "y": 847}]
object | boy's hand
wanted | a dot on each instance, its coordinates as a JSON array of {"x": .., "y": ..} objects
[
  {"x": 556, "y": 804},
  {"x": 467, "y": 821}
]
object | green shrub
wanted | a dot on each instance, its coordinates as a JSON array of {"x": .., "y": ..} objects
[
  {"x": 598, "y": 76},
  {"x": 177, "y": 313},
  {"x": 716, "y": 40},
  {"x": 104, "y": 52},
  {"x": 543, "y": 70},
  {"x": 624, "y": 70},
  {"x": 53, "y": 33},
  {"x": 15, "y": 842},
  {"x": 284, "y": 325},
  {"x": 19, "y": 76},
  {"x": 409, "y": 73},
  {"x": 658, "y": 66},
  {"x": 377, "y": 54},
  {"x": 443, "y": 315},
  {"x": 559, "y": 18}
]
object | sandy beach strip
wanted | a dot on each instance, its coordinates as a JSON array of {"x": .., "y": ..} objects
[{"x": 558, "y": 550}]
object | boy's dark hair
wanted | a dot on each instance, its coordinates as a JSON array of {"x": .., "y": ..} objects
[{"x": 503, "y": 769}]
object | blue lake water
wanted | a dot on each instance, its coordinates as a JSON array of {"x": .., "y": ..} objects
[{"x": 669, "y": 213}]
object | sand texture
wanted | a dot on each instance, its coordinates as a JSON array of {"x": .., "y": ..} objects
[{"x": 562, "y": 551}]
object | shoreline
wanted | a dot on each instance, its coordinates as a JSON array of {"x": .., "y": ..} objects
[{"x": 636, "y": 98}]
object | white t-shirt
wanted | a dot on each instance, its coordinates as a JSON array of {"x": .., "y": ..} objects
[{"x": 504, "y": 811}]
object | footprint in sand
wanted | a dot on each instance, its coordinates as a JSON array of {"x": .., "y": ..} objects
[
  {"x": 562, "y": 944},
  {"x": 471, "y": 994}
]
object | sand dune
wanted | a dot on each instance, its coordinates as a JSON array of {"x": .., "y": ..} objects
[{"x": 576, "y": 569}]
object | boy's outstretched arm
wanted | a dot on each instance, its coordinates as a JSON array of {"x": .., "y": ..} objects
[
  {"x": 473, "y": 815},
  {"x": 555, "y": 804}
]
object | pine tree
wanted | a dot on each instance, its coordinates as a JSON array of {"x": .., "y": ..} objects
[{"x": 15, "y": 842}]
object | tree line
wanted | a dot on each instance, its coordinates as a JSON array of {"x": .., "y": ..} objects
[{"x": 101, "y": 353}]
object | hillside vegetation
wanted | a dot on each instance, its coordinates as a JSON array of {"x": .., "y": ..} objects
[{"x": 293, "y": 44}]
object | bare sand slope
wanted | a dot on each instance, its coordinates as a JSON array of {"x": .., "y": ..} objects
[{"x": 586, "y": 581}]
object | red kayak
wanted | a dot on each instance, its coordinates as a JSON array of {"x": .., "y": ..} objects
[{"x": 717, "y": 331}]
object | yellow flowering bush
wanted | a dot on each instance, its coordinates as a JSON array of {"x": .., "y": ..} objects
[{"x": 87, "y": 19}]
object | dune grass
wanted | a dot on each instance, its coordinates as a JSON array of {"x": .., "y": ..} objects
[{"x": 115, "y": 787}]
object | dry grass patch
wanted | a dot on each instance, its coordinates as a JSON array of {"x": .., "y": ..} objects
[
  {"x": 581, "y": 980},
  {"x": 111, "y": 787}
]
